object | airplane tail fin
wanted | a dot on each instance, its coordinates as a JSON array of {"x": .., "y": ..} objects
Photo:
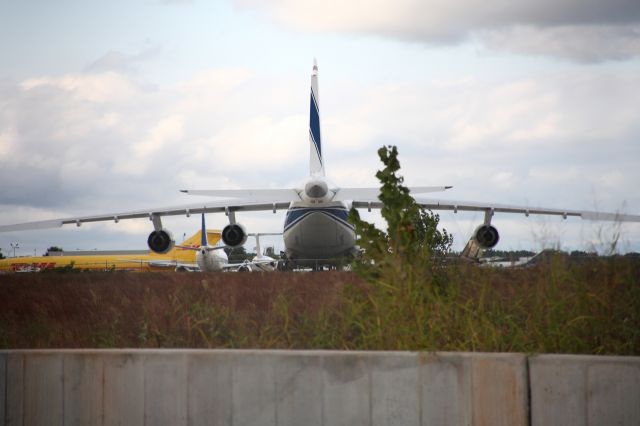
[
  {"x": 203, "y": 234},
  {"x": 316, "y": 164},
  {"x": 195, "y": 241},
  {"x": 258, "y": 235},
  {"x": 258, "y": 250}
]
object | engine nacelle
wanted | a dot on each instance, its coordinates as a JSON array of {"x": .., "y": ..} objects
[
  {"x": 234, "y": 235},
  {"x": 486, "y": 236},
  {"x": 160, "y": 241}
]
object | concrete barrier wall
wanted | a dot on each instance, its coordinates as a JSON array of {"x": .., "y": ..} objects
[
  {"x": 244, "y": 387},
  {"x": 584, "y": 390}
]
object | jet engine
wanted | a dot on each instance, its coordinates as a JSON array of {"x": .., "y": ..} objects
[
  {"x": 486, "y": 236},
  {"x": 234, "y": 235},
  {"x": 160, "y": 241}
]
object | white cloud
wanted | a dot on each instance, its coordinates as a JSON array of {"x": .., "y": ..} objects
[
  {"x": 169, "y": 129},
  {"x": 8, "y": 138},
  {"x": 118, "y": 61},
  {"x": 612, "y": 178},
  {"x": 103, "y": 87}
]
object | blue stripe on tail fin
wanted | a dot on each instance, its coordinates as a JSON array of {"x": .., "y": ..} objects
[{"x": 314, "y": 126}]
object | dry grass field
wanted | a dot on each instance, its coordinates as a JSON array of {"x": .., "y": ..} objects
[{"x": 557, "y": 306}]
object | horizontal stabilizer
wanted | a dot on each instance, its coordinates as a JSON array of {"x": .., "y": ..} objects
[
  {"x": 207, "y": 248},
  {"x": 372, "y": 194},
  {"x": 213, "y": 248},
  {"x": 248, "y": 194},
  {"x": 188, "y": 248}
]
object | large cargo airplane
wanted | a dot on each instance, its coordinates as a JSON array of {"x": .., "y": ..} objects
[{"x": 316, "y": 225}]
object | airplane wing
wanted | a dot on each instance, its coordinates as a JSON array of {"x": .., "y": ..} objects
[
  {"x": 234, "y": 267},
  {"x": 208, "y": 248},
  {"x": 159, "y": 263},
  {"x": 456, "y": 206},
  {"x": 371, "y": 194},
  {"x": 341, "y": 194},
  {"x": 248, "y": 194},
  {"x": 215, "y": 206}
]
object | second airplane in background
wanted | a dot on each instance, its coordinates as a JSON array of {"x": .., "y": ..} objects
[{"x": 214, "y": 259}]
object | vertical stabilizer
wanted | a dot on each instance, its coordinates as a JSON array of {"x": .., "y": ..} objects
[
  {"x": 258, "y": 249},
  {"x": 316, "y": 164},
  {"x": 203, "y": 234}
]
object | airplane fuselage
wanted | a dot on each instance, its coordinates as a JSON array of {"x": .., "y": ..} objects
[
  {"x": 211, "y": 260},
  {"x": 317, "y": 228}
]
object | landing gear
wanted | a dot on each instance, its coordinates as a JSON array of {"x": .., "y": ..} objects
[{"x": 284, "y": 264}]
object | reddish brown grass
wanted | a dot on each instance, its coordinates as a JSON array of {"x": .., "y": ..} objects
[
  {"x": 557, "y": 306},
  {"x": 154, "y": 309}
]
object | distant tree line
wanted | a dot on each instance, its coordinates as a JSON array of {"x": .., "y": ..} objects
[
  {"x": 508, "y": 255},
  {"x": 52, "y": 249},
  {"x": 238, "y": 254}
]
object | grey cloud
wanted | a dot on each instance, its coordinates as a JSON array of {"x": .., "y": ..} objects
[
  {"x": 587, "y": 44},
  {"x": 62, "y": 149},
  {"x": 74, "y": 144},
  {"x": 582, "y": 30}
]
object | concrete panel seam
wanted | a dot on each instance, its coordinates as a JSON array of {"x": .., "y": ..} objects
[
  {"x": 528, "y": 389},
  {"x": 23, "y": 389},
  {"x": 370, "y": 386},
  {"x": 5, "y": 399},
  {"x": 419, "y": 385},
  {"x": 233, "y": 379},
  {"x": 187, "y": 367},
  {"x": 63, "y": 395}
]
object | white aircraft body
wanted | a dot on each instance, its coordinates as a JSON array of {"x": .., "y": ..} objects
[
  {"x": 260, "y": 262},
  {"x": 210, "y": 258},
  {"x": 316, "y": 227},
  {"x": 214, "y": 259}
]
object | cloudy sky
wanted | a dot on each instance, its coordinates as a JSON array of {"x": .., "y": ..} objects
[{"x": 112, "y": 106}]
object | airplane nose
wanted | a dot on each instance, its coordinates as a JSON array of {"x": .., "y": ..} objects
[{"x": 203, "y": 251}]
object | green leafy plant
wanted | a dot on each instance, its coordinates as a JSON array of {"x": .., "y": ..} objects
[
  {"x": 412, "y": 240},
  {"x": 403, "y": 265}
]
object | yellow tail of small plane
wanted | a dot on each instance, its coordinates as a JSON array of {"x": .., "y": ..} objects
[{"x": 112, "y": 260}]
